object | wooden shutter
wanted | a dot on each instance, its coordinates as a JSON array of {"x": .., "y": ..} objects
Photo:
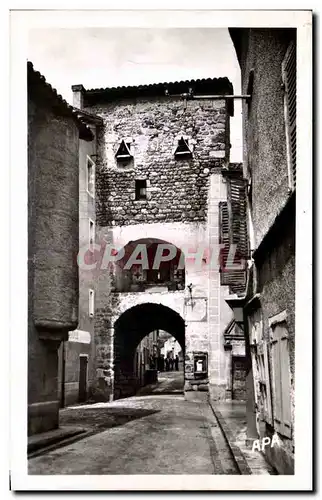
[
  {"x": 237, "y": 192},
  {"x": 252, "y": 328},
  {"x": 276, "y": 369},
  {"x": 264, "y": 381},
  {"x": 285, "y": 380},
  {"x": 268, "y": 416},
  {"x": 223, "y": 240},
  {"x": 238, "y": 232},
  {"x": 281, "y": 380},
  {"x": 289, "y": 80}
]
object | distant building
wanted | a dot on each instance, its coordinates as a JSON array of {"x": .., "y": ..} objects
[
  {"x": 171, "y": 347},
  {"x": 267, "y": 58},
  {"x": 146, "y": 359},
  {"x": 53, "y": 150}
]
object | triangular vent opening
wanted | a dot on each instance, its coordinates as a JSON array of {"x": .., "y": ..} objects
[
  {"x": 123, "y": 152},
  {"x": 182, "y": 148}
]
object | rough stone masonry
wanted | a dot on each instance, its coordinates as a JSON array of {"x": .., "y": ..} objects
[{"x": 179, "y": 206}]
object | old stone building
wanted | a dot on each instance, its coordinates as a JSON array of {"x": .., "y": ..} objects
[
  {"x": 77, "y": 371},
  {"x": 161, "y": 162},
  {"x": 267, "y": 58},
  {"x": 53, "y": 150}
]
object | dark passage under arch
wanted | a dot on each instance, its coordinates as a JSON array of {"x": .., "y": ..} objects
[{"x": 130, "y": 328}]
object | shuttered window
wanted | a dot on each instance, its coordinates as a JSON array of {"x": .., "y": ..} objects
[
  {"x": 289, "y": 81},
  {"x": 223, "y": 241},
  {"x": 281, "y": 382},
  {"x": 237, "y": 196},
  {"x": 233, "y": 231}
]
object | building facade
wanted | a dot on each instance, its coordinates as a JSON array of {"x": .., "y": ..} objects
[
  {"x": 267, "y": 58},
  {"x": 76, "y": 373},
  {"x": 161, "y": 158},
  {"x": 53, "y": 150}
]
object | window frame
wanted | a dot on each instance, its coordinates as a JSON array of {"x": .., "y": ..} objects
[
  {"x": 91, "y": 224},
  {"x": 93, "y": 165},
  {"x": 91, "y": 302},
  {"x": 137, "y": 190}
]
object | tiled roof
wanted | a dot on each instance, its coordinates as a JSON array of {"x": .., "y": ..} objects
[
  {"x": 205, "y": 86},
  {"x": 86, "y": 117},
  {"x": 44, "y": 92}
]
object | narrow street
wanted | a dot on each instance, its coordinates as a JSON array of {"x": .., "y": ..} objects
[
  {"x": 168, "y": 383},
  {"x": 163, "y": 434}
]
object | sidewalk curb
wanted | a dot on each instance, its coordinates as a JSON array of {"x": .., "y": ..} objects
[
  {"x": 59, "y": 443},
  {"x": 236, "y": 452}
]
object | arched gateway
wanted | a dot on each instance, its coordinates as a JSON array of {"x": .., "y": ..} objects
[{"x": 129, "y": 329}]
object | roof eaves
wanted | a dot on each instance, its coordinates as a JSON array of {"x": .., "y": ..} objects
[
  {"x": 86, "y": 117},
  {"x": 51, "y": 96},
  {"x": 160, "y": 84},
  {"x": 205, "y": 86}
]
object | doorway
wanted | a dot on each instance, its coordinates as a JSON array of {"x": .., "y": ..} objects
[
  {"x": 82, "y": 388},
  {"x": 239, "y": 378}
]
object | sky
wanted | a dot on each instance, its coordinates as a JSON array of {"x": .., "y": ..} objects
[{"x": 108, "y": 57}]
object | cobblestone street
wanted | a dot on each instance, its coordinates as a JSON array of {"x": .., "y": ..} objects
[{"x": 150, "y": 434}]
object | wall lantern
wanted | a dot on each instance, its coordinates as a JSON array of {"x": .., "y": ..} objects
[
  {"x": 189, "y": 287},
  {"x": 237, "y": 306}
]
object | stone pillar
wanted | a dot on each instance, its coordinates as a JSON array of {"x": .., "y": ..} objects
[
  {"x": 103, "y": 386},
  {"x": 217, "y": 360},
  {"x": 196, "y": 337}
]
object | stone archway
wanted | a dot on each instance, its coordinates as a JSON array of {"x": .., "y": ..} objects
[{"x": 129, "y": 329}]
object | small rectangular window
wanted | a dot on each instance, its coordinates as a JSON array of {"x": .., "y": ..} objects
[
  {"x": 91, "y": 234},
  {"x": 91, "y": 298},
  {"x": 90, "y": 177},
  {"x": 140, "y": 190}
]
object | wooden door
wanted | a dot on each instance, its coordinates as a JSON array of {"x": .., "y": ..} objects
[
  {"x": 239, "y": 378},
  {"x": 82, "y": 392}
]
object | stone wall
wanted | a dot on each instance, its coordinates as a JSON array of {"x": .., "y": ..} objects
[
  {"x": 264, "y": 125},
  {"x": 177, "y": 188}
]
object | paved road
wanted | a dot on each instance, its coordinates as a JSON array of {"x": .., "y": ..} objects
[
  {"x": 173, "y": 436},
  {"x": 171, "y": 382}
]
